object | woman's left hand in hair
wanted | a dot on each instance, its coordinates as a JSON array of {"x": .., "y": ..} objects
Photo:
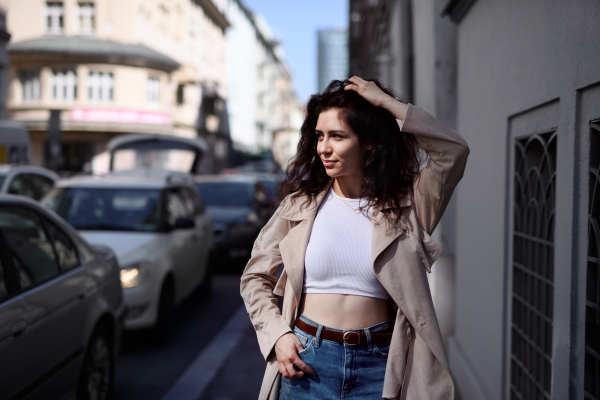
[{"x": 374, "y": 95}]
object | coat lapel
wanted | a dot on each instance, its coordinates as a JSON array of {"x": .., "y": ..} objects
[{"x": 293, "y": 246}]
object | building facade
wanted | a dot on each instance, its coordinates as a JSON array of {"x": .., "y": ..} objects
[
  {"x": 262, "y": 103},
  {"x": 332, "y": 57},
  {"x": 104, "y": 68},
  {"x": 516, "y": 290}
]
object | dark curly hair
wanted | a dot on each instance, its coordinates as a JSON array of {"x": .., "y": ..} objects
[{"x": 390, "y": 166}]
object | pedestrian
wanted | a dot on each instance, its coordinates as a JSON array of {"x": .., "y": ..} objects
[{"x": 353, "y": 234}]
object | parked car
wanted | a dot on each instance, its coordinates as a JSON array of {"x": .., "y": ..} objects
[
  {"x": 26, "y": 180},
  {"x": 156, "y": 224},
  {"x": 61, "y": 307},
  {"x": 239, "y": 207}
]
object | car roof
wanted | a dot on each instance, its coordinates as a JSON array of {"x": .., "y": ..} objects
[
  {"x": 5, "y": 169},
  {"x": 138, "y": 179}
]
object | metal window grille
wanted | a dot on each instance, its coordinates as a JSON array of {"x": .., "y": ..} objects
[
  {"x": 592, "y": 309},
  {"x": 533, "y": 267}
]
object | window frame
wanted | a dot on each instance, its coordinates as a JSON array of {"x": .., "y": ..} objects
[
  {"x": 55, "y": 14},
  {"x": 44, "y": 220},
  {"x": 86, "y": 10}
]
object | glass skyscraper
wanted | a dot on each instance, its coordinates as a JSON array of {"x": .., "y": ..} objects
[{"x": 333, "y": 56}]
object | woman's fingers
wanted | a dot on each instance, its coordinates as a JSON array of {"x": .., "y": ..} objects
[{"x": 303, "y": 366}]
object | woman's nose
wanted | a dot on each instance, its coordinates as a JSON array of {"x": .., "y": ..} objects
[{"x": 324, "y": 147}]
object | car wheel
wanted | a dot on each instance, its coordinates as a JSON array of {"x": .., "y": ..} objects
[
  {"x": 97, "y": 373},
  {"x": 166, "y": 304}
]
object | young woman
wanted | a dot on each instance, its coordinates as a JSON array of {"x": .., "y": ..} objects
[{"x": 353, "y": 233}]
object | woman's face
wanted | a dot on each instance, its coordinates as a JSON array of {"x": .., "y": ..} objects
[{"x": 338, "y": 146}]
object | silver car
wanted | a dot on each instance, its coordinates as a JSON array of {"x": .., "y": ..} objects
[
  {"x": 61, "y": 307},
  {"x": 26, "y": 180}
]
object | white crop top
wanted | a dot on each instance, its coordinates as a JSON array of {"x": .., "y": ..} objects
[{"x": 338, "y": 255}]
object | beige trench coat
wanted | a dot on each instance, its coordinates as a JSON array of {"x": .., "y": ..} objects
[{"x": 417, "y": 367}]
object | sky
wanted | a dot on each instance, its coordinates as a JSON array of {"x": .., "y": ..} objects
[{"x": 295, "y": 23}]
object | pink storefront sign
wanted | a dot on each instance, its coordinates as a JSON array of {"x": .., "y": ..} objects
[{"x": 119, "y": 116}]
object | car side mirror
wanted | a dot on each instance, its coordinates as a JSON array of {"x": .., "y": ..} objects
[{"x": 183, "y": 223}]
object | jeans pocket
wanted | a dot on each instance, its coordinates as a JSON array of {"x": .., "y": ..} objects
[
  {"x": 306, "y": 343},
  {"x": 382, "y": 349}
]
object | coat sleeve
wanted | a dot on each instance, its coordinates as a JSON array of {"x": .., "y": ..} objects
[
  {"x": 258, "y": 281},
  {"x": 447, "y": 152}
]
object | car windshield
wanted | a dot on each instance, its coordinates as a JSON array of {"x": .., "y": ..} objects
[
  {"x": 107, "y": 208},
  {"x": 226, "y": 194}
]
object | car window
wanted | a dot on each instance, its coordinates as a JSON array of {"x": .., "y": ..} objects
[
  {"x": 176, "y": 207},
  {"x": 1, "y": 181},
  {"x": 107, "y": 209},
  {"x": 192, "y": 201},
  {"x": 41, "y": 185},
  {"x": 21, "y": 185},
  {"x": 30, "y": 248},
  {"x": 65, "y": 249},
  {"x": 226, "y": 194}
]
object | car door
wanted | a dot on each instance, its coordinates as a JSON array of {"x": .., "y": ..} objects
[
  {"x": 13, "y": 320},
  {"x": 57, "y": 292},
  {"x": 182, "y": 240},
  {"x": 202, "y": 244}
]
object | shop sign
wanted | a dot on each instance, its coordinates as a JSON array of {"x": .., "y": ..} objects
[{"x": 119, "y": 116}]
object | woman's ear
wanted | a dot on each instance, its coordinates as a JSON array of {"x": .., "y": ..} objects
[{"x": 369, "y": 146}]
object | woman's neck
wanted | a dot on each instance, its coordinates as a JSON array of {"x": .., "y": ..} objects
[{"x": 348, "y": 187}]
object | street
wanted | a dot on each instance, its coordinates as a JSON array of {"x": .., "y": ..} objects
[{"x": 148, "y": 367}]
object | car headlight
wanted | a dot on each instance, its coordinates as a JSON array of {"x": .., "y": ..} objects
[{"x": 133, "y": 274}]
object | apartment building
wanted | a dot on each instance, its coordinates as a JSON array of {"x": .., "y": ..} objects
[{"x": 109, "y": 67}]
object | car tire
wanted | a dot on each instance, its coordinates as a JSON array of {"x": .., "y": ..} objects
[
  {"x": 166, "y": 304},
  {"x": 97, "y": 372}
]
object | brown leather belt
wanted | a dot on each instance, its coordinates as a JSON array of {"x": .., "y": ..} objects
[{"x": 350, "y": 338}]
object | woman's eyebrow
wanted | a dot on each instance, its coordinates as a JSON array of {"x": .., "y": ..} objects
[{"x": 333, "y": 131}]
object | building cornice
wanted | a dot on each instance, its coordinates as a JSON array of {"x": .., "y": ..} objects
[
  {"x": 213, "y": 13},
  {"x": 75, "y": 49}
]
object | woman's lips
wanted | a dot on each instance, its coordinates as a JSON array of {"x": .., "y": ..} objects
[{"x": 328, "y": 163}]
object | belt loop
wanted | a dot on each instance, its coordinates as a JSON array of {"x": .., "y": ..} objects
[
  {"x": 369, "y": 341},
  {"x": 318, "y": 336}
]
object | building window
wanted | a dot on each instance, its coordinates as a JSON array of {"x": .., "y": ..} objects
[
  {"x": 87, "y": 18},
  {"x": 153, "y": 90},
  {"x": 30, "y": 85},
  {"x": 55, "y": 16},
  {"x": 592, "y": 309},
  {"x": 100, "y": 86},
  {"x": 64, "y": 86},
  {"x": 533, "y": 267}
]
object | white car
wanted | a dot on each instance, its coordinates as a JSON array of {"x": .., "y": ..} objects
[{"x": 155, "y": 223}]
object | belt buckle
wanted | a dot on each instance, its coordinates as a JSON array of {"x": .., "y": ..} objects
[{"x": 345, "y": 336}]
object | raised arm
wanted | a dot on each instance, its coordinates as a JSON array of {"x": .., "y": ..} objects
[{"x": 447, "y": 152}]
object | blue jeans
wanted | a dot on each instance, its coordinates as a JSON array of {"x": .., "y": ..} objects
[{"x": 342, "y": 371}]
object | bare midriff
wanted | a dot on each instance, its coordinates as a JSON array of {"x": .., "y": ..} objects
[{"x": 343, "y": 311}]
